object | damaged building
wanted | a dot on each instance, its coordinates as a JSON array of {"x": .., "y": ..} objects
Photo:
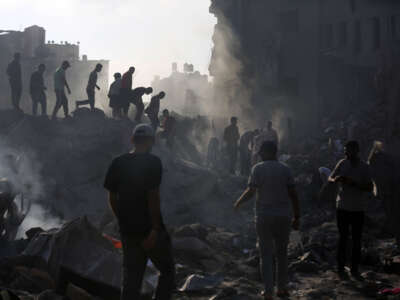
[
  {"x": 34, "y": 49},
  {"x": 309, "y": 59},
  {"x": 187, "y": 91}
]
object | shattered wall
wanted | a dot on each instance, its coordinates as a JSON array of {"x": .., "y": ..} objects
[{"x": 300, "y": 59}]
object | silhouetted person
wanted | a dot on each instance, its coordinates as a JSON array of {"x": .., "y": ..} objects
[
  {"x": 137, "y": 99},
  {"x": 354, "y": 180},
  {"x": 274, "y": 185},
  {"x": 153, "y": 110},
  {"x": 267, "y": 134},
  {"x": 231, "y": 138},
  {"x": 90, "y": 88},
  {"x": 245, "y": 146},
  {"x": 37, "y": 90},
  {"x": 213, "y": 153},
  {"x": 60, "y": 83},
  {"x": 114, "y": 94},
  {"x": 14, "y": 74},
  {"x": 169, "y": 128},
  {"x": 126, "y": 90},
  {"x": 133, "y": 181}
]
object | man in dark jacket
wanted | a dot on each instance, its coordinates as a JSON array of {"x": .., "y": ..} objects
[
  {"x": 37, "y": 90},
  {"x": 15, "y": 78}
]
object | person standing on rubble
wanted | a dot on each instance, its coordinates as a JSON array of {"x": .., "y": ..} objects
[
  {"x": 60, "y": 83},
  {"x": 137, "y": 100},
  {"x": 354, "y": 180},
  {"x": 245, "y": 146},
  {"x": 274, "y": 185},
  {"x": 115, "y": 97},
  {"x": 90, "y": 89},
  {"x": 169, "y": 128},
  {"x": 14, "y": 74},
  {"x": 133, "y": 181},
  {"x": 38, "y": 90},
  {"x": 268, "y": 134},
  {"x": 231, "y": 138},
  {"x": 153, "y": 110},
  {"x": 126, "y": 90}
]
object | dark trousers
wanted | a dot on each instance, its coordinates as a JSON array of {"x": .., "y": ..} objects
[
  {"x": 39, "y": 98},
  {"x": 139, "y": 111},
  {"x": 345, "y": 220},
  {"x": 16, "y": 93},
  {"x": 232, "y": 156},
  {"x": 245, "y": 162},
  {"x": 155, "y": 122},
  {"x": 91, "y": 99},
  {"x": 125, "y": 95},
  {"x": 62, "y": 100},
  {"x": 135, "y": 262}
]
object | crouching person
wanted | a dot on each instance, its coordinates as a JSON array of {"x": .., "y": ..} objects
[
  {"x": 133, "y": 181},
  {"x": 273, "y": 183}
]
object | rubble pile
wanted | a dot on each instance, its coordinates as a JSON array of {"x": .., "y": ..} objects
[{"x": 215, "y": 248}]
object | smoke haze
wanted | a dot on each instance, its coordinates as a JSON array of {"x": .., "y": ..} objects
[{"x": 149, "y": 34}]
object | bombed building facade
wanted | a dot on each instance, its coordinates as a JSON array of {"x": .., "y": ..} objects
[
  {"x": 309, "y": 58},
  {"x": 34, "y": 49}
]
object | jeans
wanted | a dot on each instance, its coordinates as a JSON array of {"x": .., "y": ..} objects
[
  {"x": 273, "y": 239},
  {"x": 91, "y": 99},
  {"x": 345, "y": 219},
  {"x": 135, "y": 262},
  {"x": 39, "y": 98},
  {"x": 62, "y": 100},
  {"x": 16, "y": 93}
]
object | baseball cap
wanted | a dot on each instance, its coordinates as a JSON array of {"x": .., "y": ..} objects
[{"x": 143, "y": 130}]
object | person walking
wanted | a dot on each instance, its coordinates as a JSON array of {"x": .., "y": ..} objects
[
  {"x": 273, "y": 183},
  {"x": 60, "y": 83},
  {"x": 90, "y": 88},
  {"x": 38, "y": 90},
  {"x": 354, "y": 180}
]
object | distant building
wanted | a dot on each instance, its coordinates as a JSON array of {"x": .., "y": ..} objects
[
  {"x": 34, "y": 49},
  {"x": 188, "y": 92},
  {"x": 308, "y": 58}
]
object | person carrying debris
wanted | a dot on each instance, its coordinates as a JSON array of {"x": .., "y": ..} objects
[
  {"x": 133, "y": 181},
  {"x": 14, "y": 74},
  {"x": 90, "y": 89},
  {"x": 267, "y": 134},
  {"x": 137, "y": 100},
  {"x": 354, "y": 180},
  {"x": 37, "y": 90},
  {"x": 274, "y": 185},
  {"x": 153, "y": 110},
  {"x": 126, "y": 90},
  {"x": 169, "y": 128},
  {"x": 115, "y": 97},
  {"x": 231, "y": 138},
  {"x": 60, "y": 83},
  {"x": 245, "y": 144}
]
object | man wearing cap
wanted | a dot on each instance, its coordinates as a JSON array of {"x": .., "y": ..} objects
[
  {"x": 133, "y": 181},
  {"x": 60, "y": 82},
  {"x": 273, "y": 183}
]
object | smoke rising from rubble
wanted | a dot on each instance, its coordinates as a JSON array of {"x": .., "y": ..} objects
[{"x": 24, "y": 172}]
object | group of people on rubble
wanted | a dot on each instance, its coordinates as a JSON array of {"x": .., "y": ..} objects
[
  {"x": 120, "y": 93},
  {"x": 245, "y": 147}
]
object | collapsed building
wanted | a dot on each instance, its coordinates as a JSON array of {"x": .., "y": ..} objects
[
  {"x": 34, "y": 49},
  {"x": 308, "y": 59}
]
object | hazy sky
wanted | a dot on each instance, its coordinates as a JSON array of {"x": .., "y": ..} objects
[{"x": 149, "y": 34}]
